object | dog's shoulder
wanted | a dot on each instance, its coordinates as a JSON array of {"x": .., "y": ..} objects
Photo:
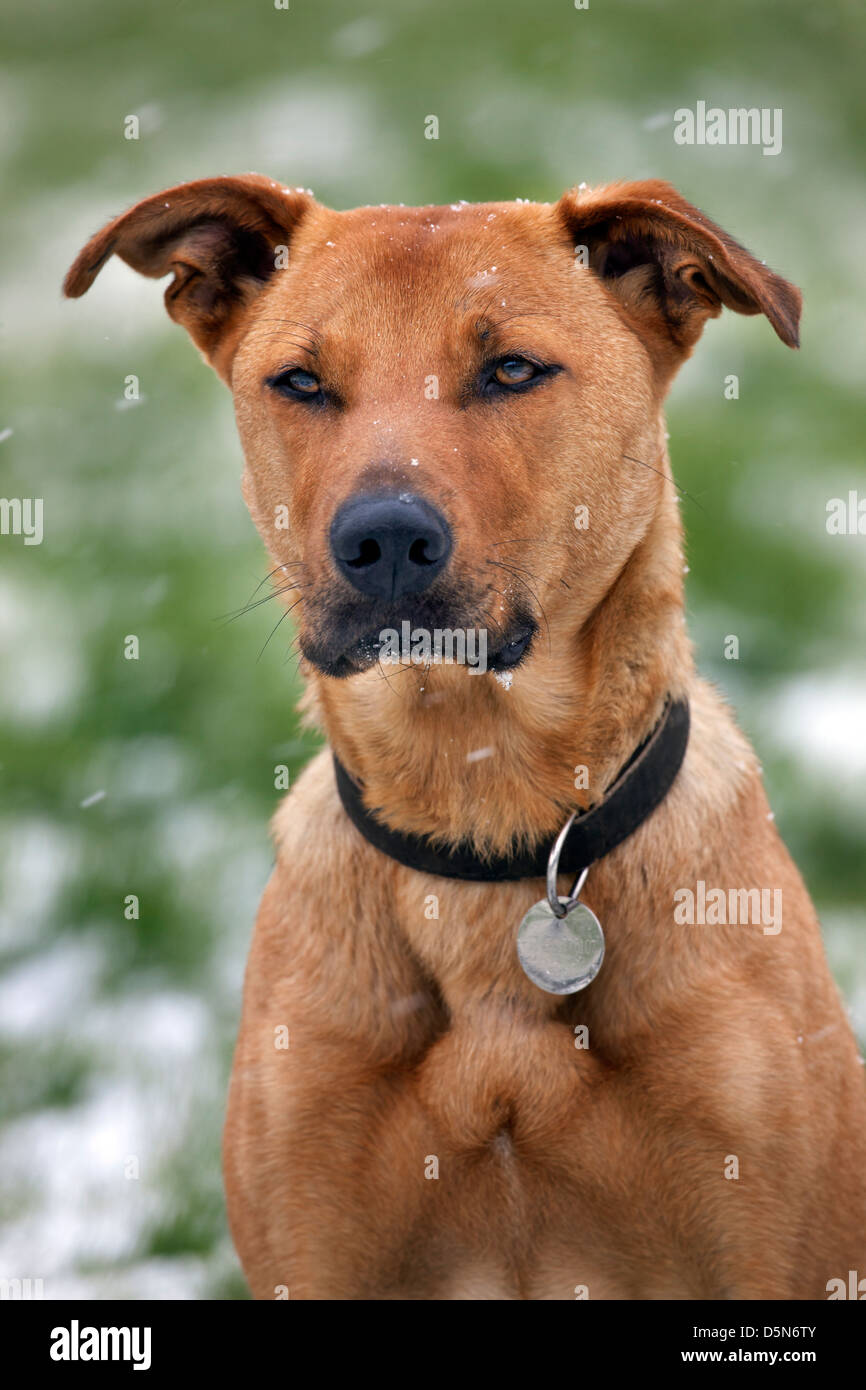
[{"x": 311, "y": 814}]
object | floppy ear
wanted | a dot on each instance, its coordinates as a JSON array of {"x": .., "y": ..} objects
[
  {"x": 670, "y": 267},
  {"x": 219, "y": 236}
]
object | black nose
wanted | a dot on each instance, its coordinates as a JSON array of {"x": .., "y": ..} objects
[{"x": 390, "y": 545}]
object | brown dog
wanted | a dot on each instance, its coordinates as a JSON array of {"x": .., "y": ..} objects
[{"x": 694, "y": 1124}]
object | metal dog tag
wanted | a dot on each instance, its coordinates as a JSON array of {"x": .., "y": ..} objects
[
  {"x": 560, "y": 943},
  {"x": 561, "y": 954}
]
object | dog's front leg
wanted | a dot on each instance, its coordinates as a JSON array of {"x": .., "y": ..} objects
[{"x": 326, "y": 1139}]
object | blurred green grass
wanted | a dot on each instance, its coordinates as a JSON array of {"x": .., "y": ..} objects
[{"x": 115, "y": 1035}]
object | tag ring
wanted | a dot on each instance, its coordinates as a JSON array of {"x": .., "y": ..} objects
[{"x": 559, "y": 906}]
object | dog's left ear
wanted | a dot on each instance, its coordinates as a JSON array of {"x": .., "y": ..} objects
[
  {"x": 670, "y": 267},
  {"x": 221, "y": 237}
]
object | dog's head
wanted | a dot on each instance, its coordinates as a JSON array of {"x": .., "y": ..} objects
[{"x": 450, "y": 415}]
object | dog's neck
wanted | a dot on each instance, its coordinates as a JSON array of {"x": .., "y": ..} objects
[{"x": 475, "y": 758}]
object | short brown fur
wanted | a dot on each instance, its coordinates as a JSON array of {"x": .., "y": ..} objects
[{"x": 559, "y": 1167}]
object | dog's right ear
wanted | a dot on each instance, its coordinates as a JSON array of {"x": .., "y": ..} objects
[
  {"x": 221, "y": 237},
  {"x": 670, "y": 268}
]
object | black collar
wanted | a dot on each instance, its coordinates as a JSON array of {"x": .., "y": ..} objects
[{"x": 638, "y": 789}]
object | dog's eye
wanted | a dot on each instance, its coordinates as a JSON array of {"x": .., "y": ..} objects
[
  {"x": 515, "y": 371},
  {"x": 297, "y": 383}
]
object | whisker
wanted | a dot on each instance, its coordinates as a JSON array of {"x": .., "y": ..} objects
[
  {"x": 313, "y": 337},
  {"x": 500, "y": 629},
  {"x": 276, "y": 625},
  {"x": 289, "y": 564},
  {"x": 286, "y": 589},
  {"x": 384, "y": 675},
  {"x": 295, "y": 643},
  {"x": 500, "y": 564},
  {"x": 667, "y": 479},
  {"x": 514, "y": 566}
]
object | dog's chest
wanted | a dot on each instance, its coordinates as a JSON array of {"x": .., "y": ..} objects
[
  {"x": 530, "y": 1143},
  {"x": 532, "y": 1133},
  {"x": 503, "y": 1070},
  {"x": 499, "y": 1077}
]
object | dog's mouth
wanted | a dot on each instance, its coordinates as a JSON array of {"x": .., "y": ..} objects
[
  {"x": 513, "y": 651},
  {"x": 348, "y": 643}
]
